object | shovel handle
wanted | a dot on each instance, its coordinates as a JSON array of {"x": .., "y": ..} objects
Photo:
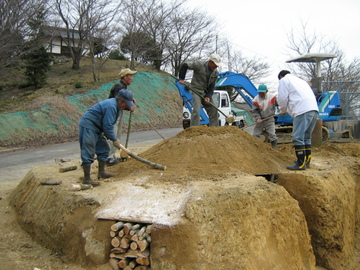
[
  {"x": 152, "y": 164},
  {"x": 197, "y": 93},
  {"x": 266, "y": 118},
  {"x": 128, "y": 131}
]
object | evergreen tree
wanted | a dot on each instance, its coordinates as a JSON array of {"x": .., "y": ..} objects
[{"x": 37, "y": 63}]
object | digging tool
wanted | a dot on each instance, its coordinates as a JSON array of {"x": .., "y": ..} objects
[
  {"x": 153, "y": 128},
  {"x": 152, "y": 164},
  {"x": 156, "y": 130},
  {"x": 123, "y": 154},
  {"x": 266, "y": 118},
  {"x": 228, "y": 118}
]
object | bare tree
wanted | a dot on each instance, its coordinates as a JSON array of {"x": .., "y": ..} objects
[
  {"x": 15, "y": 30},
  {"x": 193, "y": 32},
  {"x": 254, "y": 68},
  {"x": 82, "y": 20},
  {"x": 337, "y": 73},
  {"x": 156, "y": 21},
  {"x": 134, "y": 40},
  {"x": 100, "y": 20}
]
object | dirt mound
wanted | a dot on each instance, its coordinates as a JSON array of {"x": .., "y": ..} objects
[{"x": 205, "y": 151}]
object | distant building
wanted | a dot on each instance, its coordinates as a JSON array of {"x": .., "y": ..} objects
[{"x": 57, "y": 42}]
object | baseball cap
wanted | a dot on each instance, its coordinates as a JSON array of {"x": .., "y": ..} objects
[
  {"x": 216, "y": 59},
  {"x": 126, "y": 71},
  {"x": 126, "y": 96},
  {"x": 262, "y": 88}
]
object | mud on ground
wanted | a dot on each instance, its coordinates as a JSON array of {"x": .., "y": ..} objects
[{"x": 241, "y": 152}]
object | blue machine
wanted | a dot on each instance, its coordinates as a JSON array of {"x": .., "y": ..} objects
[
  {"x": 221, "y": 101},
  {"x": 187, "y": 99},
  {"x": 240, "y": 82}
]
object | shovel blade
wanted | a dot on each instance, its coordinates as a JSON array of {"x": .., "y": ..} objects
[{"x": 230, "y": 119}]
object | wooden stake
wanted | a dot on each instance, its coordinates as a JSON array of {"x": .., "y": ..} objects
[
  {"x": 143, "y": 261},
  {"x": 124, "y": 263},
  {"x": 121, "y": 233},
  {"x": 134, "y": 238},
  {"x": 143, "y": 244},
  {"x": 142, "y": 231},
  {"x": 149, "y": 228},
  {"x": 133, "y": 246},
  {"x": 127, "y": 228},
  {"x": 118, "y": 250},
  {"x": 117, "y": 226},
  {"x": 114, "y": 264},
  {"x": 141, "y": 267},
  {"x": 132, "y": 264},
  {"x": 115, "y": 242},
  {"x": 66, "y": 169},
  {"x": 125, "y": 242},
  {"x": 152, "y": 164}
]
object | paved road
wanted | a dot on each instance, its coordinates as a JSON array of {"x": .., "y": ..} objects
[{"x": 14, "y": 165}]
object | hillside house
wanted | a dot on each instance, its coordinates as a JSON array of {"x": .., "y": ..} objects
[{"x": 57, "y": 42}]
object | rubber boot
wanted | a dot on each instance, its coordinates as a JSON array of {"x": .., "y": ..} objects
[
  {"x": 87, "y": 178},
  {"x": 301, "y": 158},
  {"x": 308, "y": 156},
  {"x": 102, "y": 173},
  {"x": 274, "y": 144}
]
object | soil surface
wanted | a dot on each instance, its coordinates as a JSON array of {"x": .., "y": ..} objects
[{"x": 216, "y": 154}]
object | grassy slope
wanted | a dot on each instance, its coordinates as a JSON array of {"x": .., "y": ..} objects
[{"x": 61, "y": 82}]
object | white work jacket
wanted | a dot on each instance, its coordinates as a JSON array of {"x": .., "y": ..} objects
[{"x": 295, "y": 96}]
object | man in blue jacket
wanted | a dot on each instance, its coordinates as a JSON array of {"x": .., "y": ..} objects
[{"x": 97, "y": 125}]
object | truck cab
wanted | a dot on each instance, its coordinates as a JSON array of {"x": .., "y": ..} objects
[{"x": 221, "y": 100}]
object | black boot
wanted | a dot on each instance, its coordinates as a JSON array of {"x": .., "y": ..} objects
[
  {"x": 308, "y": 155},
  {"x": 301, "y": 158},
  {"x": 274, "y": 144},
  {"x": 102, "y": 173},
  {"x": 87, "y": 178}
]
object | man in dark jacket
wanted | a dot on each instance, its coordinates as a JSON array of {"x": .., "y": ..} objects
[
  {"x": 97, "y": 125},
  {"x": 203, "y": 82},
  {"x": 126, "y": 78}
]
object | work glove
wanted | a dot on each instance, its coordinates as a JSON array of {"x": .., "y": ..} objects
[{"x": 117, "y": 143}]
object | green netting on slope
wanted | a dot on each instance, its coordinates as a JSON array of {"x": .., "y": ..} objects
[{"x": 157, "y": 99}]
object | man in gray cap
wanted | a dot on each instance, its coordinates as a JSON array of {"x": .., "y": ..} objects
[
  {"x": 97, "y": 125},
  {"x": 126, "y": 78},
  {"x": 203, "y": 82},
  {"x": 264, "y": 105}
]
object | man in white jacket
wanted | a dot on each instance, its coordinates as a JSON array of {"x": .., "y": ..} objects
[{"x": 296, "y": 97}]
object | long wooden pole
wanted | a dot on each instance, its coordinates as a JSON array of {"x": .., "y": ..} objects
[
  {"x": 123, "y": 154},
  {"x": 152, "y": 164},
  {"x": 266, "y": 118}
]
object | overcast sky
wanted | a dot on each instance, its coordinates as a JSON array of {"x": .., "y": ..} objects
[{"x": 260, "y": 27}]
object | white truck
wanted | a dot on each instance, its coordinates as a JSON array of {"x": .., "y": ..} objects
[{"x": 221, "y": 100}]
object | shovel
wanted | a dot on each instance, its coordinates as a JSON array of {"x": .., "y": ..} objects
[
  {"x": 152, "y": 164},
  {"x": 266, "y": 118},
  {"x": 123, "y": 154}
]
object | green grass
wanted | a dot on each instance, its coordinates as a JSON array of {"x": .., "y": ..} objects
[{"x": 62, "y": 81}]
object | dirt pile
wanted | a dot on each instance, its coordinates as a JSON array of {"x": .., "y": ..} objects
[
  {"x": 209, "y": 209},
  {"x": 209, "y": 151}
]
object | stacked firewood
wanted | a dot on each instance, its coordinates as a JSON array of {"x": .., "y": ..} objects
[{"x": 131, "y": 246}]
